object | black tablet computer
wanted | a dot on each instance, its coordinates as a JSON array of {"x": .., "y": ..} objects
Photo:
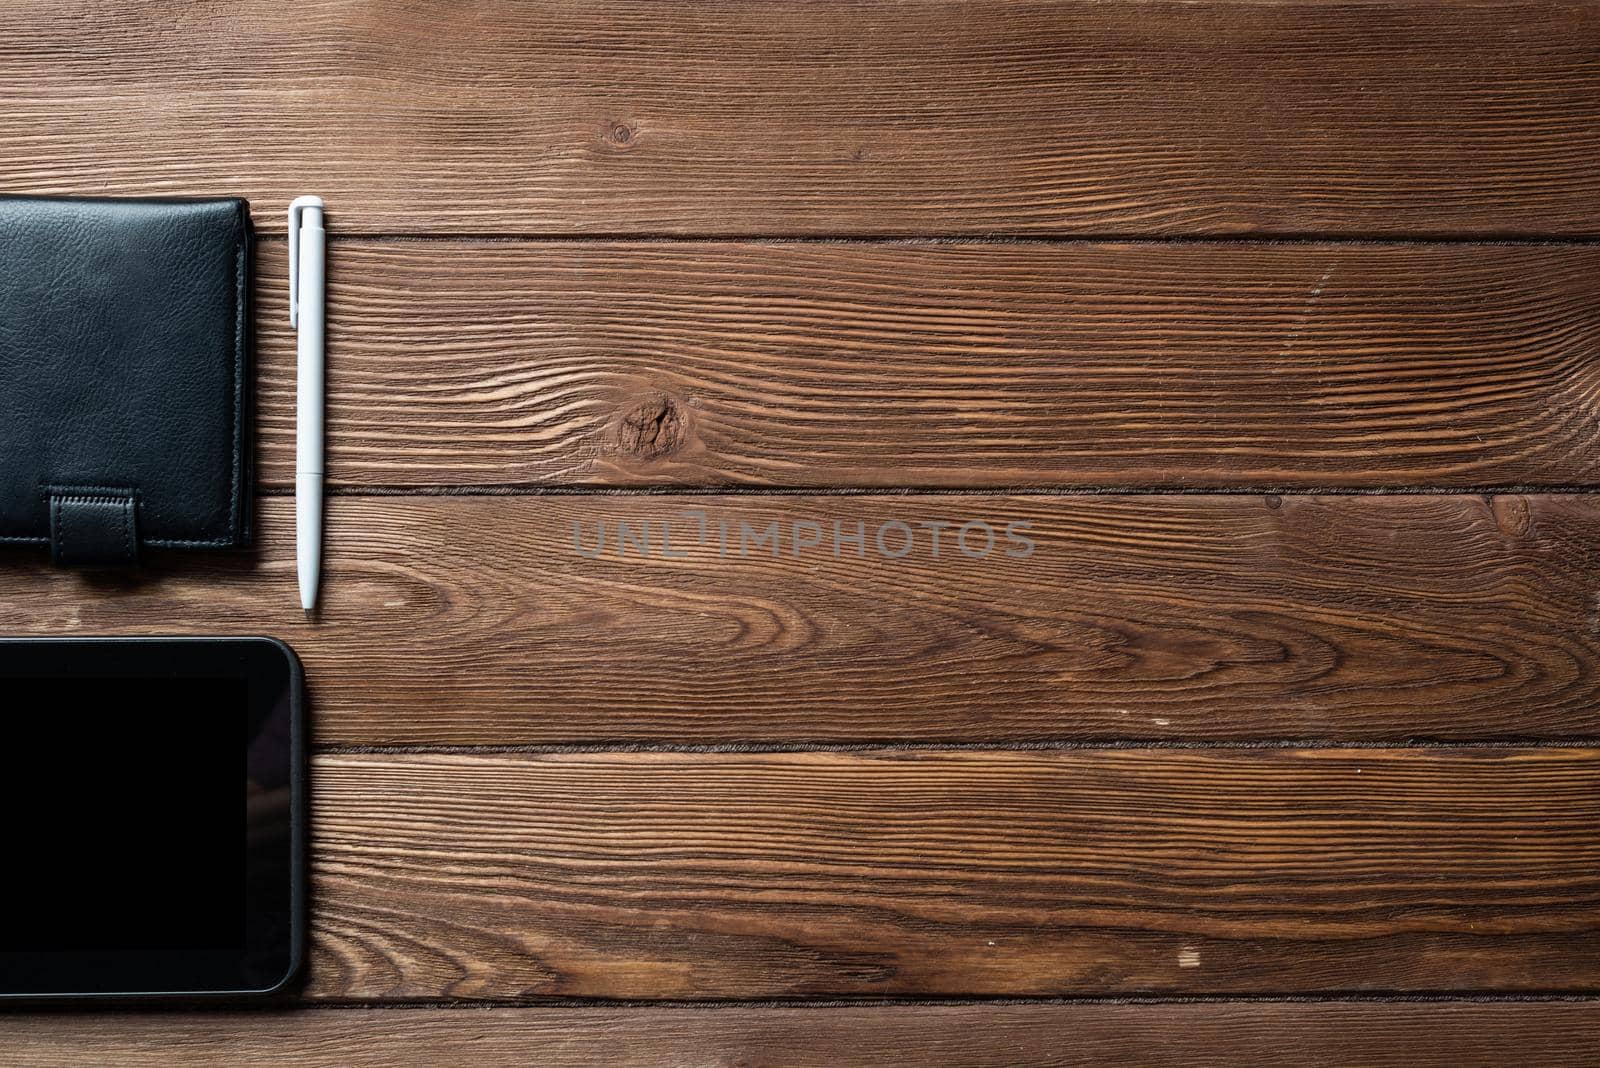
[{"x": 152, "y": 817}]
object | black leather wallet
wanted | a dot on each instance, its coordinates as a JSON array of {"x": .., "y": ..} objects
[{"x": 124, "y": 374}]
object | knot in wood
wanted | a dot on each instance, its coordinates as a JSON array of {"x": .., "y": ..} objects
[{"x": 652, "y": 428}]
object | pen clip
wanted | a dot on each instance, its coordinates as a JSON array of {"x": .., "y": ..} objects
[{"x": 296, "y": 210}]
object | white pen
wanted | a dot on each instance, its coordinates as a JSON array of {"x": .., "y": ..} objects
[{"x": 307, "y": 251}]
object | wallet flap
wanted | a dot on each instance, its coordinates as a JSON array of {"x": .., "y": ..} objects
[
  {"x": 93, "y": 528},
  {"x": 124, "y": 328}
]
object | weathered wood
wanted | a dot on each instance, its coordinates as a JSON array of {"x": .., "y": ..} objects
[
  {"x": 477, "y": 620},
  {"x": 485, "y": 358},
  {"x": 671, "y": 875},
  {"x": 1166, "y": 1035},
  {"x": 965, "y": 366},
  {"x": 1293, "y": 116}
]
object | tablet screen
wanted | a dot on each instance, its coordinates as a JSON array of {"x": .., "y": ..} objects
[
  {"x": 147, "y": 810},
  {"x": 131, "y": 824}
]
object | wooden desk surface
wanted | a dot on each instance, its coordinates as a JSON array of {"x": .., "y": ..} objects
[{"x": 1270, "y": 333}]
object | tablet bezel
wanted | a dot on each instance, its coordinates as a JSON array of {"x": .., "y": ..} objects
[{"x": 267, "y": 964}]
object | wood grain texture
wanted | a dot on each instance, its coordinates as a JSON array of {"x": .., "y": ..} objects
[
  {"x": 1295, "y": 116},
  {"x": 1168, "y": 1035},
  {"x": 477, "y": 620},
  {"x": 948, "y": 365},
  {"x": 713, "y": 875}
]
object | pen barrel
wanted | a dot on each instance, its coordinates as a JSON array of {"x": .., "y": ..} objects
[
  {"x": 312, "y": 256},
  {"x": 308, "y": 534}
]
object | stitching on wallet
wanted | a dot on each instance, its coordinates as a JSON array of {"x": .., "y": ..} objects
[
  {"x": 61, "y": 533},
  {"x": 88, "y": 493},
  {"x": 235, "y": 414}
]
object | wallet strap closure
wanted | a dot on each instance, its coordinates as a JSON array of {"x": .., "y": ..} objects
[{"x": 93, "y": 527}]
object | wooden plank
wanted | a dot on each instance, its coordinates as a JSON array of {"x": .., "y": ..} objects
[
  {"x": 939, "y": 365},
  {"x": 720, "y": 875},
  {"x": 477, "y": 620},
  {"x": 1165, "y": 1035},
  {"x": 981, "y": 116}
]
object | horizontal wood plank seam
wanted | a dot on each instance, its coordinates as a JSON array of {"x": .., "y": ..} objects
[
  {"x": 525, "y": 490},
  {"x": 825, "y": 1003},
  {"x": 1575, "y": 741},
  {"x": 910, "y": 239}
]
